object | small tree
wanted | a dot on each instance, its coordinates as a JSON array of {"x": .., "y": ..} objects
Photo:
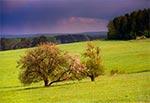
[
  {"x": 49, "y": 64},
  {"x": 93, "y": 61}
]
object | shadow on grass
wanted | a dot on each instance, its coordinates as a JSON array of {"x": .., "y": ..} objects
[
  {"x": 9, "y": 87},
  {"x": 17, "y": 88},
  {"x": 139, "y": 71},
  {"x": 52, "y": 86},
  {"x": 29, "y": 88}
]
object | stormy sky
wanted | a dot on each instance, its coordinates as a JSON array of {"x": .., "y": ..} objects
[{"x": 62, "y": 16}]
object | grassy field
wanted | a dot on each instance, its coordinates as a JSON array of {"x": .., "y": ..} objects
[{"x": 132, "y": 57}]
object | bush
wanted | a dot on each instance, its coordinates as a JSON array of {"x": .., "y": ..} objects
[{"x": 116, "y": 71}]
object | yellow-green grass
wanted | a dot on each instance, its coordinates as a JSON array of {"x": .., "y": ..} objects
[
  {"x": 125, "y": 88},
  {"x": 129, "y": 56}
]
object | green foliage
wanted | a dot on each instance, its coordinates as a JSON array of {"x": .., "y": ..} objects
[
  {"x": 129, "y": 26},
  {"x": 38, "y": 63},
  {"x": 48, "y": 63},
  {"x": 7, "y": 44},
  {"x": 93, "y": 61},
  {"x": 18, "y": 43},
  {"x": 52, "y": 39},
  {"x": 116, "y": 71},
  {"x": 111, "y": 30},
  {"x": 37, "y": 40}
]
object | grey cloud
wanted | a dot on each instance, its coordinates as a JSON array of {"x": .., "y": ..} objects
[{"x": 23, "y": 13}]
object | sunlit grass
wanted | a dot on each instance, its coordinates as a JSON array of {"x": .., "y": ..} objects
[
  {"x": 129, "y": 56},
  {"x": 121, "y": 88}
]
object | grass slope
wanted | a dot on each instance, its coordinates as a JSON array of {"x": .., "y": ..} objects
[
  {"x": 121, "y": 88},
  {"x": 129, "y": 56}
]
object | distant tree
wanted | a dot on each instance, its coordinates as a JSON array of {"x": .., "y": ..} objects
[
  {"x": 93, "y": 61},
  {"x": 49, "y": 64},
  {"x": 7, "y": 44},
  {"x": 3, "y": 43},
  {"x": 43, "y": 39},
  {"x": 52, "y": 39},
  {"x": 117, "y": 25},
  {"x": 111, "y": 30},
  {"x": 38, "y": 40},
  {"x": 123, "y": 26},
  {"x": 24, "y": 43}
]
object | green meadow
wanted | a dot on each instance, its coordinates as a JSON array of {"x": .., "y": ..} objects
[{"x": 131, "y": 57}]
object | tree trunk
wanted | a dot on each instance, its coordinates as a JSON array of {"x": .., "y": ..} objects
[
  {"x": 92, "y": 78},
  {"x": 46, "y": 82}
]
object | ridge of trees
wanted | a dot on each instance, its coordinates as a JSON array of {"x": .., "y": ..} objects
[
  {"x": 130, "y": 25},
  {"x": 18, "y": 43}
]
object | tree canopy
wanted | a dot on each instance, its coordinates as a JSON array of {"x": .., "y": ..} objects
[
  {"x": 93, "y": 61},
  {"x": 49, "y": 64},
  {"x": 130, "y": 25}
]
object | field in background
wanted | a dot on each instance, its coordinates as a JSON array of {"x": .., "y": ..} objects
[{"x": 128, "y": 56}]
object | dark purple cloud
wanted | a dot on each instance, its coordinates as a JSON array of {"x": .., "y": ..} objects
[{"x": 34, "y": 16}]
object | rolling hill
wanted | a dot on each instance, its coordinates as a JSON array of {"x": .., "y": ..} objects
[{"x": 132, "y": 57}]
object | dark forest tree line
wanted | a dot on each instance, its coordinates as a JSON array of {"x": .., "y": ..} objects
[
  {"x": 130, "y": 25},
  {"x": 17, "y": 43}
]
